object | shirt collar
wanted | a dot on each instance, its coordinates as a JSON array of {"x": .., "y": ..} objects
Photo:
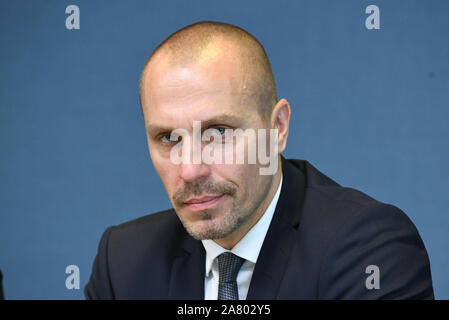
[{"x": 249, "y": 246}]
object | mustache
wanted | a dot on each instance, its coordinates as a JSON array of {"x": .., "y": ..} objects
[{"x": 202, "y": 187}]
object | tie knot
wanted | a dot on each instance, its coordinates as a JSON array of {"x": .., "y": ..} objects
[{"x": 228, "y": 266}]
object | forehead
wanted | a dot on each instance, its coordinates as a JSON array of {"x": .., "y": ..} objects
[{"x": 195, "y": 91}]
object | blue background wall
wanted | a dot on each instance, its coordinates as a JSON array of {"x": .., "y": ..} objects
[{"x": 370, "y": 109}]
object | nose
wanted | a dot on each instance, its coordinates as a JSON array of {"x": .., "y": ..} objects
[
  {"x": 190, "y": 172},
  {"x": 190, "y": 169}
]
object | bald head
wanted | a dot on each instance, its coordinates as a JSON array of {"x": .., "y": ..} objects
[{"x": 203, "y": 42}]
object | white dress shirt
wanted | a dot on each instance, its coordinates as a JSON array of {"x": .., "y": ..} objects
[{"x": 247, "y": 248}]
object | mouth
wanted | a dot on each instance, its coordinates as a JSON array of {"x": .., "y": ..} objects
[{"x": 202, "y": 203}]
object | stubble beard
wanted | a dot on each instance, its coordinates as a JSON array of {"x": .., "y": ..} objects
[{"x": 210, "y": 227}]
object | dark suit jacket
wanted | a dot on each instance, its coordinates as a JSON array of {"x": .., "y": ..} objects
[{"x": 319, "y": 243}]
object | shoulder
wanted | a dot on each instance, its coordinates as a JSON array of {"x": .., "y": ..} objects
[
  {"x": 333, "y": 214},
  {"x": 348, "y": 231},
  {"x": 328, "y": 203},
  {"x": 331, "y": 209},
  {"x": 134, "y": 257},
  {"x": 153, "y": 222},
  {"x": 159, "y": 236},
  {"x": 156, "y": 230}
]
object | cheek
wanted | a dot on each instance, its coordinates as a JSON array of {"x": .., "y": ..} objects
[
  {"x": 166, "y": 171},
  {"x": 243, "y": 176}
]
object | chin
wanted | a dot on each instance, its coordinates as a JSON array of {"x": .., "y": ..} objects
[{"x": 206, "y": 229}]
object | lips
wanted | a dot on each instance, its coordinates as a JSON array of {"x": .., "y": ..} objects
[{"x": 203, "y": 202}]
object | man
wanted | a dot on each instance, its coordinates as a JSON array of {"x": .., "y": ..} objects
[{"x": 233, "y": 232}]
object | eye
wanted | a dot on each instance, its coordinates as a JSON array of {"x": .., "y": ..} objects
[
  {"x": 220, "y": 130},
  {"x": 166, "y": 138}
]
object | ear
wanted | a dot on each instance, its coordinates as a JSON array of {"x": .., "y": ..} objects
[{"x": 280, "y": 119}]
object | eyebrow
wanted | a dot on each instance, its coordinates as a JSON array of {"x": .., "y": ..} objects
[{"x": 154, "y": 129}]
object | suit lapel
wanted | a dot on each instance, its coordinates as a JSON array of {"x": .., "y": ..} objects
[
  {"x": 188, "y": 270},
  {"x": 276, "y": 249}
]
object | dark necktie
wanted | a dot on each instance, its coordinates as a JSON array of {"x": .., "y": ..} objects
[{"x": 228, "y": 267}]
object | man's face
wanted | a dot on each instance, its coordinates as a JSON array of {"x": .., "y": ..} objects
[{"x": 211, "y": 200}]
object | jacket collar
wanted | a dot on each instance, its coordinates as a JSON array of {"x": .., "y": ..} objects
[{"x": 278, "y": 243}]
